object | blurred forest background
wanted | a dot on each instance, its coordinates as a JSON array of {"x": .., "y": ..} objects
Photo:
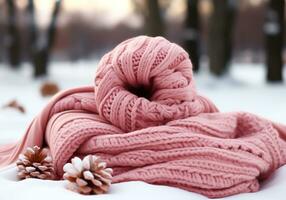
[{"x": 216, "y": 32}]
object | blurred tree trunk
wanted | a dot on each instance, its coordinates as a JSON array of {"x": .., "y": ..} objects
[
  {"x": 274, "y": 31},
  {"x": 220, "y": 35},
  {"x": 191, "y": 35},
  {"x": 32, "y": 29},
  {"x": 13, "y": 41},
  {"x": 1, "y": 32},
  {"x": 43, "y": 46},
  {"x": 153, "y": 20}
]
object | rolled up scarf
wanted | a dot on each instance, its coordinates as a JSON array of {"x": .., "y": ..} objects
[{"x": 145, "y": 119}]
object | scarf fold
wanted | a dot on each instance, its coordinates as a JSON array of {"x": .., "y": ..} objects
[{"x": 144, "y": 117}]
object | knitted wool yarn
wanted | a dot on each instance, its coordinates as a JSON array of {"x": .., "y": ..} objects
[{"x": 144, "y": 118}]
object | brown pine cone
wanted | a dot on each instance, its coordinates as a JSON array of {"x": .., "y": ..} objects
[
  {"x": 49, "y": 89},
  {"x": 88, "y": 176},
  {"x": 35, "y": 163}
]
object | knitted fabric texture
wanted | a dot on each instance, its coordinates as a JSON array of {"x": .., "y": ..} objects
[{"x": 144, "y": 118}]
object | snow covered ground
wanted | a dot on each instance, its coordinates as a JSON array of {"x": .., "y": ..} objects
[{"x": 244, "y": 90}]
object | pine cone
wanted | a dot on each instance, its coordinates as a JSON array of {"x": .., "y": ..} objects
[
  {"x": 35, "y": 163},
  {"x": 49, "y": 89},
  {"x": 88, "y": 176}
]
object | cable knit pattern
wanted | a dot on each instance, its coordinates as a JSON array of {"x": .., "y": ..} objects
[{"x": 145, "y": 119}]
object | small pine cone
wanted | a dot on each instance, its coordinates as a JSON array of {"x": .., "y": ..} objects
[
  {"x": 49, "y": 89},
  {"x": 88, "y": 176},
  {"x": 35, "y": 163}
]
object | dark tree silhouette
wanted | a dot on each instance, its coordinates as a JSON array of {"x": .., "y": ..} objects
[
  {"x": 191, "y": 34},
  {"x": 41, "y": 46},
  {"x": 220, "y": 35},
  {"x": 274, "y": 32},
  {"x": 153, "y": 20},
  {"x": 32, "y": 29},
  {"x": 2, "y": 30},
  {"x": 13, "y": 38}
]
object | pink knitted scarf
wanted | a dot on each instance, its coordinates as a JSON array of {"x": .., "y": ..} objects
[{"x": 144, "y": 117}]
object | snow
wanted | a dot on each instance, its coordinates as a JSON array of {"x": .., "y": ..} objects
[
  {"x": 271, "y": 28},
  {"x": 243, "y": 90}
]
